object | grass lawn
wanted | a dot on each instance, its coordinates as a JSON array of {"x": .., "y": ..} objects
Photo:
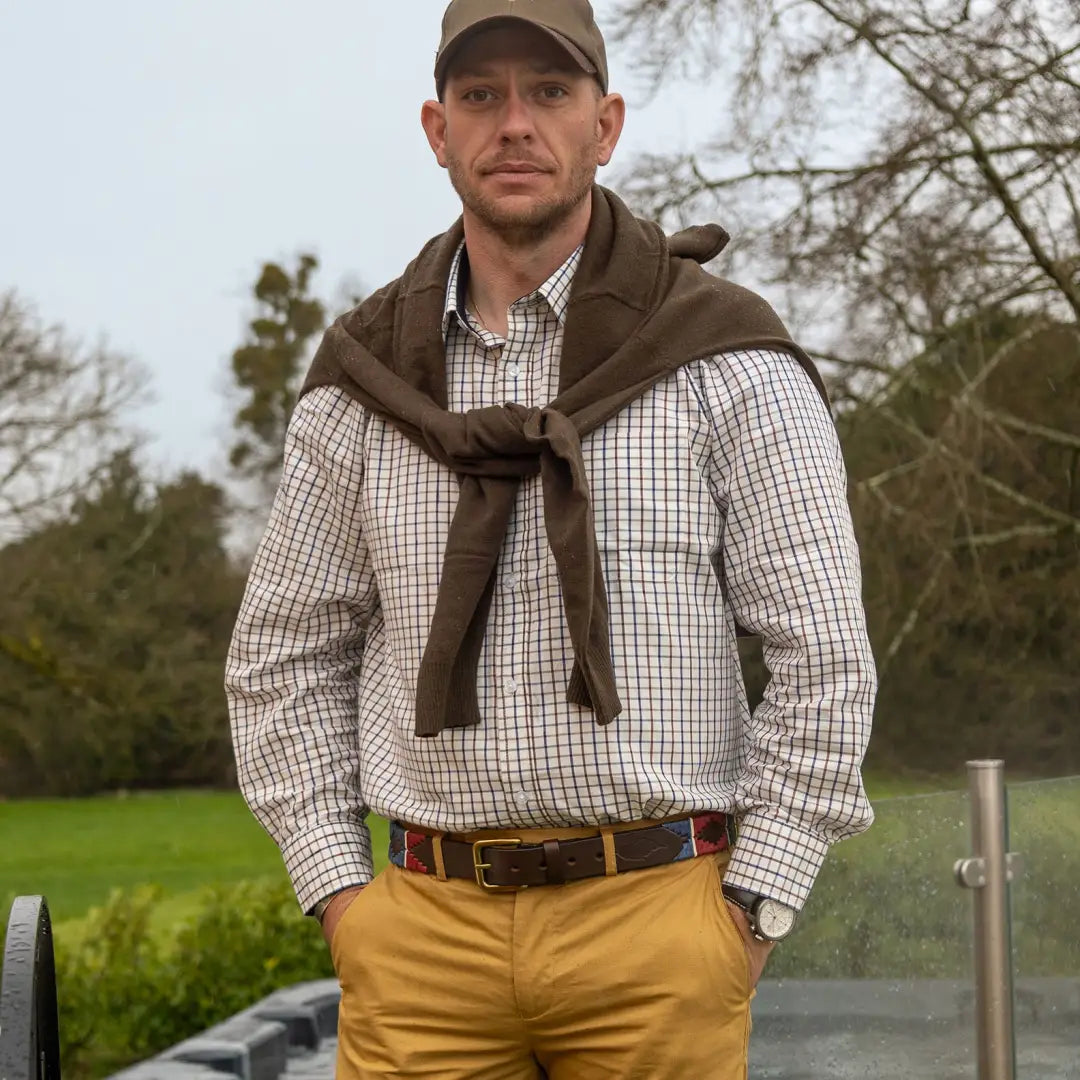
[
  {"x": 885, "y": 906},
  {"x": 881, "y": 785},
  {"x": 76, "y": 851}
]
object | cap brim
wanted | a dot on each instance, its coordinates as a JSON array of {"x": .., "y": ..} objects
[{"x": 453, "y": 46}]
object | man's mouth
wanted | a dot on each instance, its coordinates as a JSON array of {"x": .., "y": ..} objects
[{"x": 516, "y": 168}]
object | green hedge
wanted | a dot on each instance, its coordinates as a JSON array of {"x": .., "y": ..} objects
[{"x": 128, "y": 992}]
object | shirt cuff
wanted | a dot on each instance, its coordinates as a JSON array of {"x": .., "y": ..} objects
[
  {"x": 327, "y": 859},
  {"x": 775, "y": 858}
]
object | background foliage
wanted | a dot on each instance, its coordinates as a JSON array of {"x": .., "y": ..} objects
[{"x": 114, "y": 620}]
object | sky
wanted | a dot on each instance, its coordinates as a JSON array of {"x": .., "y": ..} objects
[{"x": 156, "y": 152}]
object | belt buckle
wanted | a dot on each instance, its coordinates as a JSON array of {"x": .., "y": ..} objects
[{"x": 480, "y": 867}]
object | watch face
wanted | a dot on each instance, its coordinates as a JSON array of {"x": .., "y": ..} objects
[{"x": 774, "y": 919}]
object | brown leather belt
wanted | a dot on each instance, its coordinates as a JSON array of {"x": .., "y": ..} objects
[{"x": 508, "y": 863}]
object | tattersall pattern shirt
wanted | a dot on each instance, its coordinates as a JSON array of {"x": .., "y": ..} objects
[{"x": 719, "y": 497}]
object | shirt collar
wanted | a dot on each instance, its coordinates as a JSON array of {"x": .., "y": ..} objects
[{"x": 555, "y": 291}]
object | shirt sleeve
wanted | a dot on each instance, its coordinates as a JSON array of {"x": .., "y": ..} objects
[
  {"x": 291, "y": 679},
  {"x": 791, "y": 574}
]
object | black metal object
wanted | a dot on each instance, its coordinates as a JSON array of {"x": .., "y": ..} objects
[{"x": 29, "y": 1027}]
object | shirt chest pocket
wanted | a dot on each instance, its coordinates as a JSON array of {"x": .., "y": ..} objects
[{"x": 648, "y": 492}]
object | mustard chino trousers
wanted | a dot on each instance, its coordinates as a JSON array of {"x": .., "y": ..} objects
[{"x": 639, "y": 976}]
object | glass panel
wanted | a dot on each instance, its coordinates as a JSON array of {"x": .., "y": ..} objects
[
  {"x": 1044, "y": 827},
  {"x": 877, "y": 980}
]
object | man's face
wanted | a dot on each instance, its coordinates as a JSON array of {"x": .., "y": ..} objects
[{"x": 521, "y": 131}]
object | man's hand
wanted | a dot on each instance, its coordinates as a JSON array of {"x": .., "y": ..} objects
[
  {"x": 336, "y": 908},
  {"x": 757, "y": 951}
]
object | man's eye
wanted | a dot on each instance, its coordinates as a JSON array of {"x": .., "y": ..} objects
[
  {"x": 478, "y": 95},
  {"x": 553, "y": 93}
]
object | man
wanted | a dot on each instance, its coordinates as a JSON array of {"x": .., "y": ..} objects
[{"x": 531, "y": 490}]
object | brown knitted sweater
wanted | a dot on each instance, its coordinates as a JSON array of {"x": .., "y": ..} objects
[{"x": 640, "y": 307}]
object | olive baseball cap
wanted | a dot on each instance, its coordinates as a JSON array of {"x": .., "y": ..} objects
[{"x": 570, "y": 22}]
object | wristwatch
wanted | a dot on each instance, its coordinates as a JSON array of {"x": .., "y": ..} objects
[{"x": 769, "y": 919}]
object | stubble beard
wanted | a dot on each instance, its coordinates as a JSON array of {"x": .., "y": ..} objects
[{"x": 528, "y": 227}]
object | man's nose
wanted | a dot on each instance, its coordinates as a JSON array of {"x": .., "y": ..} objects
[{"x": 515, "y": 120}]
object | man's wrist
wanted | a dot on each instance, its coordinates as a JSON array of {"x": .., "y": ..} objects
[{"x": 318, "y": 912}]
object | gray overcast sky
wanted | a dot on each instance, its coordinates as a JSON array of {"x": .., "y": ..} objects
[{"x": 155, "y": 152}]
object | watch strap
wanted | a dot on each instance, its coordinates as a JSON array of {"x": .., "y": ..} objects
[{"x": 741, "y": 898}]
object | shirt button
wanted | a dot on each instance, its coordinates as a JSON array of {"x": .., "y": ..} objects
[
  {"x": 521, "y": 798},
  {"x": 511, "y": 686},
  {"x": 512, "y": 581},
  {"x": 513, "y": 370}
]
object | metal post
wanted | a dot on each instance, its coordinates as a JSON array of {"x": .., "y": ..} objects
[{"x": 988, "y": 873}]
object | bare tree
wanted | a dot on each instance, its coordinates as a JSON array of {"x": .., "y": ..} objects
[
  {"x": 913, "y": 161},
  {"x": 908, "y": 172},
  {"x": 903, "y": 167},
  {"x": 61, "y": 408}
]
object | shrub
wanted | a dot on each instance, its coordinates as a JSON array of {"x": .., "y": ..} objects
[{"x": 128, "y": 991}]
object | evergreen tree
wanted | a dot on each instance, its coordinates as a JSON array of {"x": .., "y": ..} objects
[
  {"x": 117, "y": 618},
  {"x": 268, "y": 367}
]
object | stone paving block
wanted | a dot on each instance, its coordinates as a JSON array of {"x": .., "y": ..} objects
[
  {"x": 301, "y": 1024},
  {"x": 309, "y": 1010},
  {"x": 245, "y": 1046},
  {"x": 317, "y": 1066},
  {"x": 159, "y": 1069}
]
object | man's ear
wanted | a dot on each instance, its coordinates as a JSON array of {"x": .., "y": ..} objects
[
  {"x": 433, "y": 119},
  {"x": 611, "y": 116}
]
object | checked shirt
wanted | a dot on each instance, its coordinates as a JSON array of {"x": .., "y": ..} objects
[{"x": 719, "y": 498}]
